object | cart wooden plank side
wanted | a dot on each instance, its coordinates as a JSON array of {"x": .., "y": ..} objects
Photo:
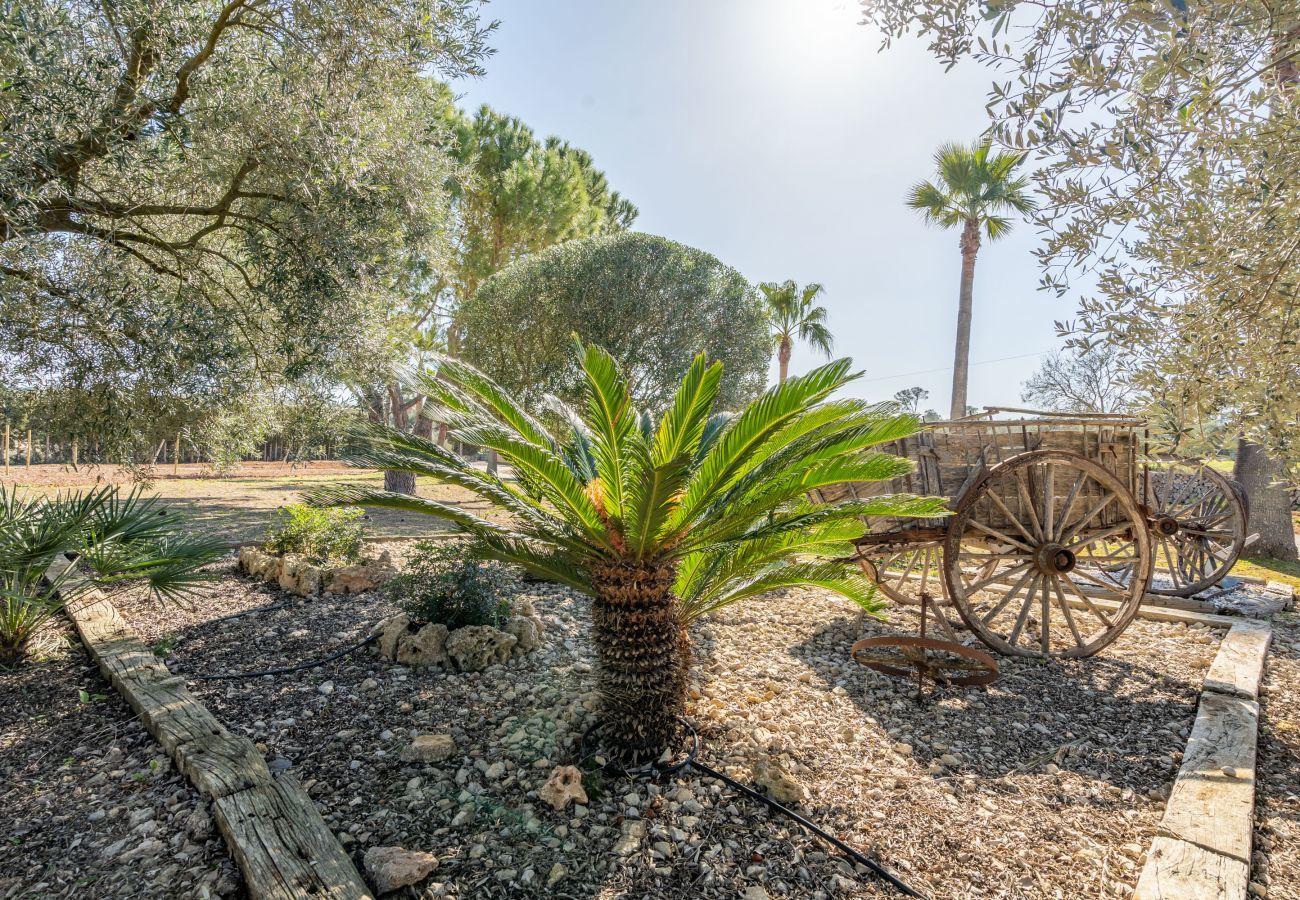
[{"x": 1049, "y": 513}]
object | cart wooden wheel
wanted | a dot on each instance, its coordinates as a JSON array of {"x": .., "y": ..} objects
[
  {"x": 1198, "y": 525},
  {"x": 907, "y": 572},
  {"x": 1048, "y": 554}
]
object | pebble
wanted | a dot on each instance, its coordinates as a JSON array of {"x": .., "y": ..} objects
[{"x": 325, "y": 687}]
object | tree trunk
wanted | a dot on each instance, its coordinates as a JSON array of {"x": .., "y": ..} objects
[
  {"x": 783, "y": 358},
  {"x": 1270, "y": 504},
  {"x": 970, "y": 245},
  {"x": 644, "y": 656},
  {"x": 399, "y": 482}
]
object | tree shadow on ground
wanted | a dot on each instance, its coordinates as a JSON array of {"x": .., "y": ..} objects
[{"x": 1104, "y": 717}]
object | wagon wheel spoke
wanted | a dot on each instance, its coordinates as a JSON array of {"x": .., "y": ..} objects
[
  {"x": 1199, "y": 521},
  {"x": 1066, "y": 612},
  {"x": 1077, "y": 528}
]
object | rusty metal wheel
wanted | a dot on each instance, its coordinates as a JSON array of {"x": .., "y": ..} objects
[
  {"x": 943, "y": 662},
  {"x": 1198, "y": 524},
  {"x": 1048, "y": 554}
]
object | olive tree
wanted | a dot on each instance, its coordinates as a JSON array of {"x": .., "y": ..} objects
[
  {"x": 1166, "y": 133},
  {"x": 652, "y": 303},
  {"x": 217, "y": 192}
]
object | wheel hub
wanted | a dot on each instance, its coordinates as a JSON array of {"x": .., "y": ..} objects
[
  {"x": 1054, "y": 559},
  {"x": 1167, "y": 526}
]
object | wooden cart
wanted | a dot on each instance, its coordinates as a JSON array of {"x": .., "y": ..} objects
[{"x": 1057, "y": 525}]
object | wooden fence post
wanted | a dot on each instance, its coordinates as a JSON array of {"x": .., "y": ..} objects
[
  {"x": 176, "y": 454},
  {"x": 29, "y": 448}
]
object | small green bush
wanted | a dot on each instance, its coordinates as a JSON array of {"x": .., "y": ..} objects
[
  {"x": 441, "y": 586},
  {"x": 320, "y": 535}
]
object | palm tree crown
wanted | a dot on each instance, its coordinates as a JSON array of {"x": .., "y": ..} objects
[
  {"x": 974, "y": 183},
  {"x": 658, "y": 522},
  {"x": 794, "y": 315},
  {"x": 975, "y": 190}
]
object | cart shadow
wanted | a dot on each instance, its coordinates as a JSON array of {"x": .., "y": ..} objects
[{"x": 1103, "y": 718}]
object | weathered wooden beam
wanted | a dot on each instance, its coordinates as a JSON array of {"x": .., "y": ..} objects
[
  {"x": 275, "y": 833},
  {"x": 1239, "y": 665},
  {"x": 1204, "y": 839}
]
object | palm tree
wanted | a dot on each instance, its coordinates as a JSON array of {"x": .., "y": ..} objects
[
  {"x": 976, "y": 187},
  {"x": 658, "y": 523},
  {"x": 794, "y": 315},
  {"x": 116, "y": 539}
]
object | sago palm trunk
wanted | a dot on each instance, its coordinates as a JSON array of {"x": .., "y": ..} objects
[
  {"x": 970, "y": 244},
  {"x": 644, "y": 654}
]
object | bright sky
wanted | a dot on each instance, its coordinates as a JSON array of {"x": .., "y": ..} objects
[{"x": 772, "y": 134}]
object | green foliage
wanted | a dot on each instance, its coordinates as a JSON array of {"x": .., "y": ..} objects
[
  {"x": 320, "y": 535},
  {"x": 795, "y": 315},
  {"x": 974, "y": 184},
  {"x": 439, "y": 584},
  {"x": 117, "y": 538},
  {"x": 652, "y": 303},
  {"x": 1166, "y": 133},
  {"x": 725, "y": 503},
  {"x": 199, "y": 198}
]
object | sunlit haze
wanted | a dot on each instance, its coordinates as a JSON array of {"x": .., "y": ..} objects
[{"x": 773, "y": 134}]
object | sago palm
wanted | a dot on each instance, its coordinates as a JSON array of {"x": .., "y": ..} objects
[
  {"x": 117, "y": 538},
  {"x": 658, "y": 522},
  {"x": 793, "y": 314},
  {"x": 974, "y": 190}
]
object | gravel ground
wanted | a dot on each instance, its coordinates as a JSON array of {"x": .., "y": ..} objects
[
  {"x": 91, "y": 806},
  {"x": 1048, "y": 783},
  {"x": 1276, "y": 870}
]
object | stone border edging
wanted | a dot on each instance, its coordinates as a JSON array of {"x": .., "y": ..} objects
[
  {"x": 1202, "y": 846},
  {"x": 271, "y": 827}
]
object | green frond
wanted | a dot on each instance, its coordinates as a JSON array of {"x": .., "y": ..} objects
[
  {"x": 756, "y": 424},
  {"x": 836, "y": 577},
  {"x": 610, "y": 418}
]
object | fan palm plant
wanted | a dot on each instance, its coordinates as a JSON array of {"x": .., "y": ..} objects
[
  {"x": 119, "y": 538},
  {"x": 794, "y": 315},
  {"x": 658, "y": 523},
  {"x": 974, "y": 190}
]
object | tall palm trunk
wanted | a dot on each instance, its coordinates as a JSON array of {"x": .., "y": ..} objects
[
  {"x": 1270, "y": 503},
  {"x": 970, "y": 245},
  {"x": 644, "y": 654},
  {"x": 783, "y": 356}
]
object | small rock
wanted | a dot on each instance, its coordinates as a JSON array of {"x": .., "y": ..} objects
[
  {"x": 558, "y": 871},
  {"x": 426, "y": 647},
  {"x": 391, "y": 868},
  {"x": 756, "y": 892},
  {"x": 326, "y": 688},
  {"x": 429, "y": 748},
  {"x": 779, "y": 783},
  {"x": 475, "y": 647},
  {"x": 563, "y": 787},
  {"x": 630, "y": 838}
]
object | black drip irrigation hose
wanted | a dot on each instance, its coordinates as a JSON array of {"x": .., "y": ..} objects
[
  {"x": 248, "y": 612},
  {"x": 658, "y": 770},
  {"x": 880, "y": 871},
  {"x": 310, "y": 664}
]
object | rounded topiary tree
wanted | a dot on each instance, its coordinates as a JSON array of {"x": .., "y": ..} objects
[{"x": 652, "y": 303}]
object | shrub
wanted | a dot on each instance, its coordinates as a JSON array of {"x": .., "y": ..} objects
[
  {"x": 320, "y": 535},
  {"x": 117, "y": 539},
  {"x": 441, "y": 586}
]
